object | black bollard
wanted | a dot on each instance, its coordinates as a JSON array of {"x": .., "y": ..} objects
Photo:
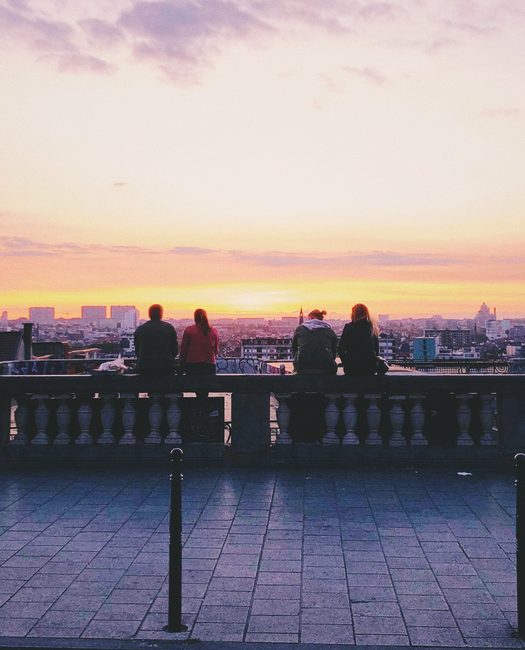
[
  {"x": 175, "y": 568},
  {"x": 520, "y": 540}
]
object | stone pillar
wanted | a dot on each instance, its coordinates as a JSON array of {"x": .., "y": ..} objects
[
  {"x": 397, "y": 417},
  {"x": 173, "y": 415},
  {"x": 129, "y": 416},
  {"x": 463, "y": 416},
  {"x": 155, "y": 419},
  {"x": 283, "y": 420},
  {"x": 350, "y": 419},
  {"x": 373, "y": 416},
  {"x": 417, "y": 416},
  {"x": 21, "y": 420},
  {"x": 331, "y": 415},
  {"x": 84, "y": 420},
  {"x": 107, "y": 416},
  {"x": 486, "y": 413},
  {"x": 42, "y": 420},
  {"x": 63, "y": 420}
]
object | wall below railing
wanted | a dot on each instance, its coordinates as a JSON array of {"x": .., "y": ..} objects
[{"x": 401, "y": 418}]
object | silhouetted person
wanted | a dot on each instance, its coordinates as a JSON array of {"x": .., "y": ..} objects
[
  {"x": 359, "y": 346},
  {"x": 156, "y": 345}
]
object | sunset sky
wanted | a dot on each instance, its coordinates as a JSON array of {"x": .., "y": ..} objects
[{"x": 252, "y": 156}]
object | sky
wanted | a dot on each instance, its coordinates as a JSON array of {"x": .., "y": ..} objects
[{"x": 252, "y": 156}]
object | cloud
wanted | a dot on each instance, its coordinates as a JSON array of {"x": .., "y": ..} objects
[
  {"x": 120, "y": 184},
  {"x": 36, "y": 33},
  {"x": 180, "y": 35},
  {"x": 372, "y": 75},
  {"x": 500, "y": 112},
  {"x": 100, "y": 32},
  {"x": 192, "y": 250},
  {"x": 84, "y": 63}
]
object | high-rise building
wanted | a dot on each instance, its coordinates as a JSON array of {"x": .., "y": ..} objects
[
  {"x": 451, "y": 339},
  {"x": 425, "y": 348},
  {"x": 42, "y": 315},
  {"x": 384, "y": 318},
  {"x": 130, "y": 321},
  {"x": 118, "y": 311},
  {"x": 92, "y": 314}
]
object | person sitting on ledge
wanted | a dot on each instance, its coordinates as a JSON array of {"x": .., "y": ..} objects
[
  {"x": 359, "y": 345},
  {"x": 314, "y": 346},
  {"x": 156, "y": 345}
]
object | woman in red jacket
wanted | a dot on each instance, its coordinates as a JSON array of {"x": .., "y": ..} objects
[{"x": 200, "y": 344}]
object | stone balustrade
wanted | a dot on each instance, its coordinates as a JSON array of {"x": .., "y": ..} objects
[{"x": 405, "y": 417}]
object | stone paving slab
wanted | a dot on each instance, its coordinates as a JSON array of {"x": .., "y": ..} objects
[{"x": 401, "y": 557}]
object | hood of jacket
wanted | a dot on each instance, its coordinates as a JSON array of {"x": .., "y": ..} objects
[{"x": 316, "y": 324}]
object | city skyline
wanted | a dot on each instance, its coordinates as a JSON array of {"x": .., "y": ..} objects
[
  {"x": 248, "y": 157},
  {"x": 79, "y": 311}
]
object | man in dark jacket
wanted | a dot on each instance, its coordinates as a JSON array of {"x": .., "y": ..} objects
[
  {"x": 156, "y": 345},
  {"x": 314, "y": 346}
]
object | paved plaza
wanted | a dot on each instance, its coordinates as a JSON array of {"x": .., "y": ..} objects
[{"x": 418, "y": 557}]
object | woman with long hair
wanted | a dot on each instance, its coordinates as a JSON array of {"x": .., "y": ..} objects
[
  {"x": 200, "y": 344},
  {"x": 359, "y": 345}
]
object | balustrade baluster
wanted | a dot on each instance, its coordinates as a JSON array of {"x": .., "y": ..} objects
[
  {"x": 283, "y": 419},
  {"x": 463, "y": 415},
  {"x": 331, "y": 415},
  {"x": 155, "y": 419},
  {"x": 129, "y": 417},
  {"x": 397, "y": 417},
  {"x": 42, "y": 420},
  {"x": 85, "y": 414},
  {"x": 350, "y": 419},
  {"x": 373, "y": 416},
  {"x": 107, "y": 416},
  {"x": 486, "y": 413},
  {"x": 63, "y": 420},
  {"x": 173, "y": 414},
  {"x": 21, "y": 419},
  {"x": 417, "y": 416}
]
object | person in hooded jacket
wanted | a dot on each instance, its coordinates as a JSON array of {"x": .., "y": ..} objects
[
  {"x": 314, "y": 346},
  {"x": 359, "y": 345}
]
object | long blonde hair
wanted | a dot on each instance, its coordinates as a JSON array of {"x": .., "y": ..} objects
[{"x": 360, "y": 312}]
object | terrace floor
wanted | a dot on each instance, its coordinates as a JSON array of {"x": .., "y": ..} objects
[{"x": 419, "y": 557}]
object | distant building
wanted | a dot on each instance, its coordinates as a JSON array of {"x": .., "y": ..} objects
[
  {"x": 452, "y": 339},
  {"x": 266, "y": 348},
  {"x": 468, "y": 353},
  {"x": 290, "y": 320},
  {"x": 494, "y": 330},
  {"x": 514, "y": 350},
  {"x": 387, "y": 347},
  {"x": 117, "y": 311},
  {"x": 42, "y": 315},
  {"x": 483, "y": 316},
  {"x": 130, "y": 321},
  {"x": 251, "y": 321},
  {"x": 91, "y": 314},
  {"x": 384, "y": 318},
  {"x": 425, "y": 348}
]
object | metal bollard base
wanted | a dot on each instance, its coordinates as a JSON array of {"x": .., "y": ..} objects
[{"x": 175, "y": 628}]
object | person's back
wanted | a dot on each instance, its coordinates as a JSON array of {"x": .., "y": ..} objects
[
  {"x": 359, "y": 348},
  {"x": 156, "y": 345},
  {"x": 315, "y": 346}
]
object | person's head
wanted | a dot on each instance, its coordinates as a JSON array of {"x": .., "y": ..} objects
[
  {"x": 360, "y": 312},
  {"x": 156, "y": 312},
  {"x": 201, "y": 319},
  {"x": 316, "y": 313}
]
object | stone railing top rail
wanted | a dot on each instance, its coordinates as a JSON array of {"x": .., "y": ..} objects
[{"x": 337, "y": 384}]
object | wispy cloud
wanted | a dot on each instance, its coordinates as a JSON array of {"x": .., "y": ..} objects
[{"x": 371, "y": 75}]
